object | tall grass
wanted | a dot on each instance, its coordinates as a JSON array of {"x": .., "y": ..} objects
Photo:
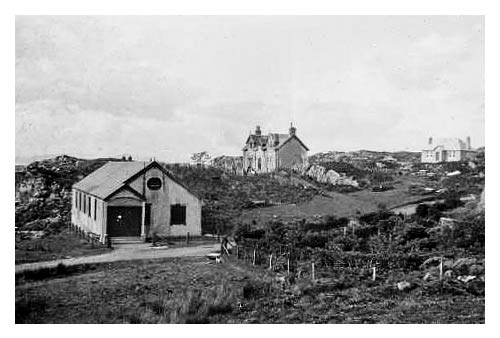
[{"x": 191, "y": 307}]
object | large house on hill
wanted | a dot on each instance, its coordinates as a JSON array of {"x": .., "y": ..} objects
[
  {"x": 268, "y": 153},
  {"x": 447, "y": 150},
  {"x": 134, "y": 199}
]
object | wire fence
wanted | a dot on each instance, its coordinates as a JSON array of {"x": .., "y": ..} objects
[{"x": 305, "y": 262}]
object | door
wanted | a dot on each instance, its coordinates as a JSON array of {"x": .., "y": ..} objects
[{"x": 124, "y": 221}]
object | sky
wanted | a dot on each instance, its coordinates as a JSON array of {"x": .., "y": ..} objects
[{"x": 169, "y": 86}]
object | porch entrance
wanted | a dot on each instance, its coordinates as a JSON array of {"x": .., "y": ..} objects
[{"x": 124, "y": 221}]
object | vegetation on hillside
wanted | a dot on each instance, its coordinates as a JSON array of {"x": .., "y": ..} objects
[{"x": 225, "y": 195}]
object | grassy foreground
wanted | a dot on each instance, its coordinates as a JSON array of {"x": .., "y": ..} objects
[
  {"x": 194, "y": 290},
  {"x": 54, "y": 246}
]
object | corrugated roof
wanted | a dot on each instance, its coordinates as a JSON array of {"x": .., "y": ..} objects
[{"x": 109, "y": 178}]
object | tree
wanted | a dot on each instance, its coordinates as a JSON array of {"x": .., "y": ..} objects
[{"x": 200, "y": 158}]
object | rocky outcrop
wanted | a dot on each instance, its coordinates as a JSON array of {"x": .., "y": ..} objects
[{"x": 322, "y": 175}]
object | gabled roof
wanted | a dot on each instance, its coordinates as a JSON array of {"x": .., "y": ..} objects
[
  {"x": 272, "y": 140},
  {"x": 293, "y": 137},
  {"x": 114, "y": 176}
]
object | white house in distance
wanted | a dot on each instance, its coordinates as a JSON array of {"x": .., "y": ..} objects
[
  {"x": 134, "y": 199},
  {"x": 447, "y": 150}
]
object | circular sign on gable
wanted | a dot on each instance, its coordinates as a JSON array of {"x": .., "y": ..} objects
[{"x": 154, "y": 183}]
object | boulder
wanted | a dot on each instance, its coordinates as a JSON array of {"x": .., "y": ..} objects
[{"x": 466, "y": 279}]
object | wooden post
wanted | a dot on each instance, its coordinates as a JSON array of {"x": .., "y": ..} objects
[
  {"x": 312, "y": 270},
  {"x": 288, "y": 265},
  {"x": 271, "y": 262},
  {"x": 253, "y": 258},
  {"x": 345, "y": 230},
  {"x": 187, "y": 237},
  {"x": 374, "y": 276}
]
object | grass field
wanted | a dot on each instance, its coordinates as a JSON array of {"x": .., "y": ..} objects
[
  {"x": 194, "y": 290},
  {"x": 54, "y": 246},
  {"x": 340, "y": 204}
]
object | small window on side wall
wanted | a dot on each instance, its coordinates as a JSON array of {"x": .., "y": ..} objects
[{"x": 177, "y": 214}]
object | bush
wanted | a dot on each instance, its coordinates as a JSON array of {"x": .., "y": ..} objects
[
  {"x": 313, "y": 240},
  {"x": 255, "y": 289},
  {"x": 333, "y": 222}
]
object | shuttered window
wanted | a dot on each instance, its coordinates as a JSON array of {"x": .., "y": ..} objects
[{"x": 177, "y": 214}]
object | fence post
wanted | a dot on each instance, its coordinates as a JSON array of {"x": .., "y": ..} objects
[
  {"x": 312, "y": 269},
  {"x": 288, "y": 265},
  {"x": 271, "y": 262},
  {"x": 345, "y": 230},
  {"x": 187, "y": 237},
  {"x": 253, "y": 259},
  {"x": 238, "y": 251},
  {"x": 374, "y": 276}
]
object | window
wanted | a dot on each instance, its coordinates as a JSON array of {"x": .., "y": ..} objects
[
  {"x": 89, "y": 206},
  {"x": 177, "y": 214},
  {"x": 80, "y": 201},
  {"x": 154, "y": 183},
  {"x": 95, "y": 209}
]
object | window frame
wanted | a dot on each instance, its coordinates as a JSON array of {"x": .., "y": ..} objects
[{"x": 178, "y": 220}]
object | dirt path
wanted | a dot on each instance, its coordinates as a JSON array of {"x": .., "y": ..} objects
[{"x": 126, "y": 252}]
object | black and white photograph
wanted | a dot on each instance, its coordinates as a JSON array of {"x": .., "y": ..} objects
[{"x": 249, "y": 169}]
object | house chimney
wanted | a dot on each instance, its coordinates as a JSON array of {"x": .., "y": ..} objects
[
  {"x": 468, "y": 143},
  {"x": 430, "y": 140},
  {"x": 257, "y": 131},
  {"x": 292, "y": 129}
]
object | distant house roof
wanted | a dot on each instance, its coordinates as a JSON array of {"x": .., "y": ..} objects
[
  {"x": 264, "y": 140},
  {"x": 293, "y": 137},
  {"x": 113, "y": 176},
  {"x": 447, "y": 144}
]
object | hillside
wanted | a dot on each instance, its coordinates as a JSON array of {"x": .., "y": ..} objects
[
  {"x": 367, "y": 155},
  {"x": 226, "y": 196}
]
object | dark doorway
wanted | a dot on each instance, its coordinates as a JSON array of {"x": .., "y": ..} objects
[{"x": 124, "y": 221}]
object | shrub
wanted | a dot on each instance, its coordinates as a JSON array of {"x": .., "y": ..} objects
[
  {"x": 332, "y": 222},
  {"x": 255, "y": 289},
  {"x": 313, "y": 240}
]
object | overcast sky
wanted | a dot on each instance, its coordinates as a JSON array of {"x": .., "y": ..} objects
[{"x": 169, "y": 86}]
